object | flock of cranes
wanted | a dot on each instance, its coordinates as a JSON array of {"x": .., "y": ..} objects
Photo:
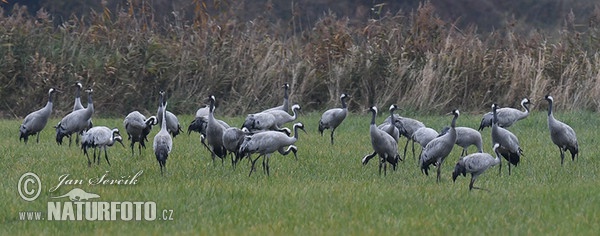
[{"x": 264, "y": 133}]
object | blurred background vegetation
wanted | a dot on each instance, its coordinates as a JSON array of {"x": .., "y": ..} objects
[{"x": 426, "y": 56}]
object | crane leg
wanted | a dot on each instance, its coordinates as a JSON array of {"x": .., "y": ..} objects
[
  {"x": 405, "y": 147},
  {"x": 438, "y": 172},
  {"x": 37, "y": 140},
  {"x": 413, "y": 149},
  {"x": 332, "y": 130},
  {"x": 562, "y": 156},
  {"x": 253, "y": 162},
  {"x": 106, "y": 156}
]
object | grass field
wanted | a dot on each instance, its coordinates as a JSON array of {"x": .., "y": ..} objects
[{"x": 325, "y": 191}]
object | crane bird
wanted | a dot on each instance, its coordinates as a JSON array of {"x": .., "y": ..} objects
[
  {"x": 77, "y": 104},
  {"x": 423, "y": 136},
  {"x": 138, "y": 127},
  {"x": 475, "y": 164},
  {"x": 509, "y": 143},
  {"x": 438, "y": 149},
  {"x": 332, "y": 118},
  {"x": 267, "y": 142},
  {"x": 200, "y": 120},
  {"x": 163, "y": 143},
  {"x": 76, "y": 121},
  {"x": 99, "y": 137},
  {"x": 406, "y": 126},
  {"x": 466, "y": 137},
  {"x": 263, "y": 121},
  {"x": 383, "y": 144},
  {"x": 233, "y": 138},
  {"x": 506, "y": 116},
  {"x": 285, "y": 105},
  {"x": 214, "y": 133},
  {"x": 390, "y": 127},
  {"x": 561, "y": 134},
  {"x": 35, "y": 122},
  {"x": 173, "y": 125},
  {"x": 282, "y": 117}
]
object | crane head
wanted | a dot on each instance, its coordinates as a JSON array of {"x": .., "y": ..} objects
[{"x": 549, "y": 98}]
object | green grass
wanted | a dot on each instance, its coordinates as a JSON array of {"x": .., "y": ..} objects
[{"x": 325, "y": 191}]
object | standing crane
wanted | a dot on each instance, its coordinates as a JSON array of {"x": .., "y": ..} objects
[
  {"x": 77, "y": 104},
  {"x": 214, "y": 133},
  {"x": 267, "y": 142},
  {"x": 390, "y": 127},
  {"x": 506, "y": 116},
  {"x": 438, "y": 149},
  {"x": 562, "y": 135},
  {"x": 383, "y": 144},
  {"x": 138, "y": 127},
  {"x": 423, "y": 136},
  {"x": 466, "y": 137},
  {"x": 99, "y": 137},
  {"x": 285, "y": 105},
  {"x": 233, "y": 138},
  {"x": 475, "y": 164},
  {"x": 163, "y": 143},
  {"x": 35, "y": 122},
  {"x": 173, "y": 125},
  {"x": 76, "y": 121},
  {"x": 509, "y": 148},
  {"x": 332, "y": 118},
  {"x": 282, "y": 117}
]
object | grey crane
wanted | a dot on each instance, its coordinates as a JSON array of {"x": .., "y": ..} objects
[
  {"x": 466, "y": 137},
  {"x": 99, "y": 137},
  {"x": 332, "y": 118},
  {"x": 406, "y": 126},
  {"x": 214, "y": 133},
  {"x": 285, "y": 105},
  {"x": 423, "y": 136},
  {"x": 163, "y": 143},
  {"x": 267, "y": 142},
  {"x": 35, "y": 122},
  {"x": 173, "y": 125},
  {"x": 562, "y": 135},
  {"x": 509, "y": 148},
  {"x": 200, "y": 120},
  {"x": 77, "y": 105},
  {"x": 233, "y": 138},
  {"x": 76, "y": 121},
  {"x": 263, "y": 121},
  {"x": 438, "y": 149},
  {"x": 138, "y": 127},
  {"x": 282, "y": 117},
  {"x": 390, "y": 127},
  {"x": 506, "y": 116},
  {"x": 475, "y": 164},
  {"x": 383, "y": 144}
]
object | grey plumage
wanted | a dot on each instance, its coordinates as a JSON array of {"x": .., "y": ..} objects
[
  {"x": 99, "y": 137},
  {"x": 233, "y": 138},
  {"x": 466, "y": 137},
  {"x": 423, "y": 136},
  {"x": 383, "y": 144},
  {"x": 214, "y": 133},
  {"x": 332, "y": 118},
  {"x": 263, "y": 121},
  {"x": 200, "y": 120},
  {"x": 438, "y": 149},
  {"x": 77, "y": 104},
  {"x": 173, "y": 126},
  {"x": 267, "y": 142},
  {"x": 76, "y": 121},
  {"x": 163, "y": 143},
  {"x": 138, "y": 128},
  {"x": 509, "y": 147},
  {"x": 35, "y": 122},
  {"x": 562, "y": 135},
  {"x": 390, "y": 127},
  {"x": 406, "y": 126},
  {"x": 475, "y": 164},
  {"x": 506, "y": 116},
  {"x": 285, "y": 105},
  {"x": 282, "y": 117}
]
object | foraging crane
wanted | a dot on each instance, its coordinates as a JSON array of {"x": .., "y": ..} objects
[
  {"x": 35, "y": 122},
  {"x": 233, "y": 138},
  {"x": 561, "y": 134},
  {"x": 390, "y": 127},
  {"x": 138, "y": 127},
  {"x": 285, "y": 105},
  {"x": 267, "y": 142},
  {"x": 438, "y": 149},
  {"x": 99, "y": 137},
  {"x": 383, "y": 144},
  {"x": 465, "y": 137},
  {"x": 263, "y": 121},
  {"x": 200, "y": 120},
  {"x": 423, "y": 136},
  {"x": 76, "y": 121},
  {"x": 475, "y": 164},
  {"x": 506, "y": 116},
  {"x": 509, "y": 148},
  {"x": 173, "y": 125},
  {"x": 163, "y": 143},
  {"x": 282, "y": 117},
  {"x": 332, "y": 118},
  {"x": 214, "y": 133}
]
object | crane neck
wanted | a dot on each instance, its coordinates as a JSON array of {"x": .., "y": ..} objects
[
  {"x": 550, "y": 107},
  {"x": 453, "y": 124},
  {"x": 296, "y": 126},
  {"x": 344, "y": 105},
  {"x": 526, "y": 107},
  {"x": 373, "y": 117},
  {"x": 495, "y": 116}
]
